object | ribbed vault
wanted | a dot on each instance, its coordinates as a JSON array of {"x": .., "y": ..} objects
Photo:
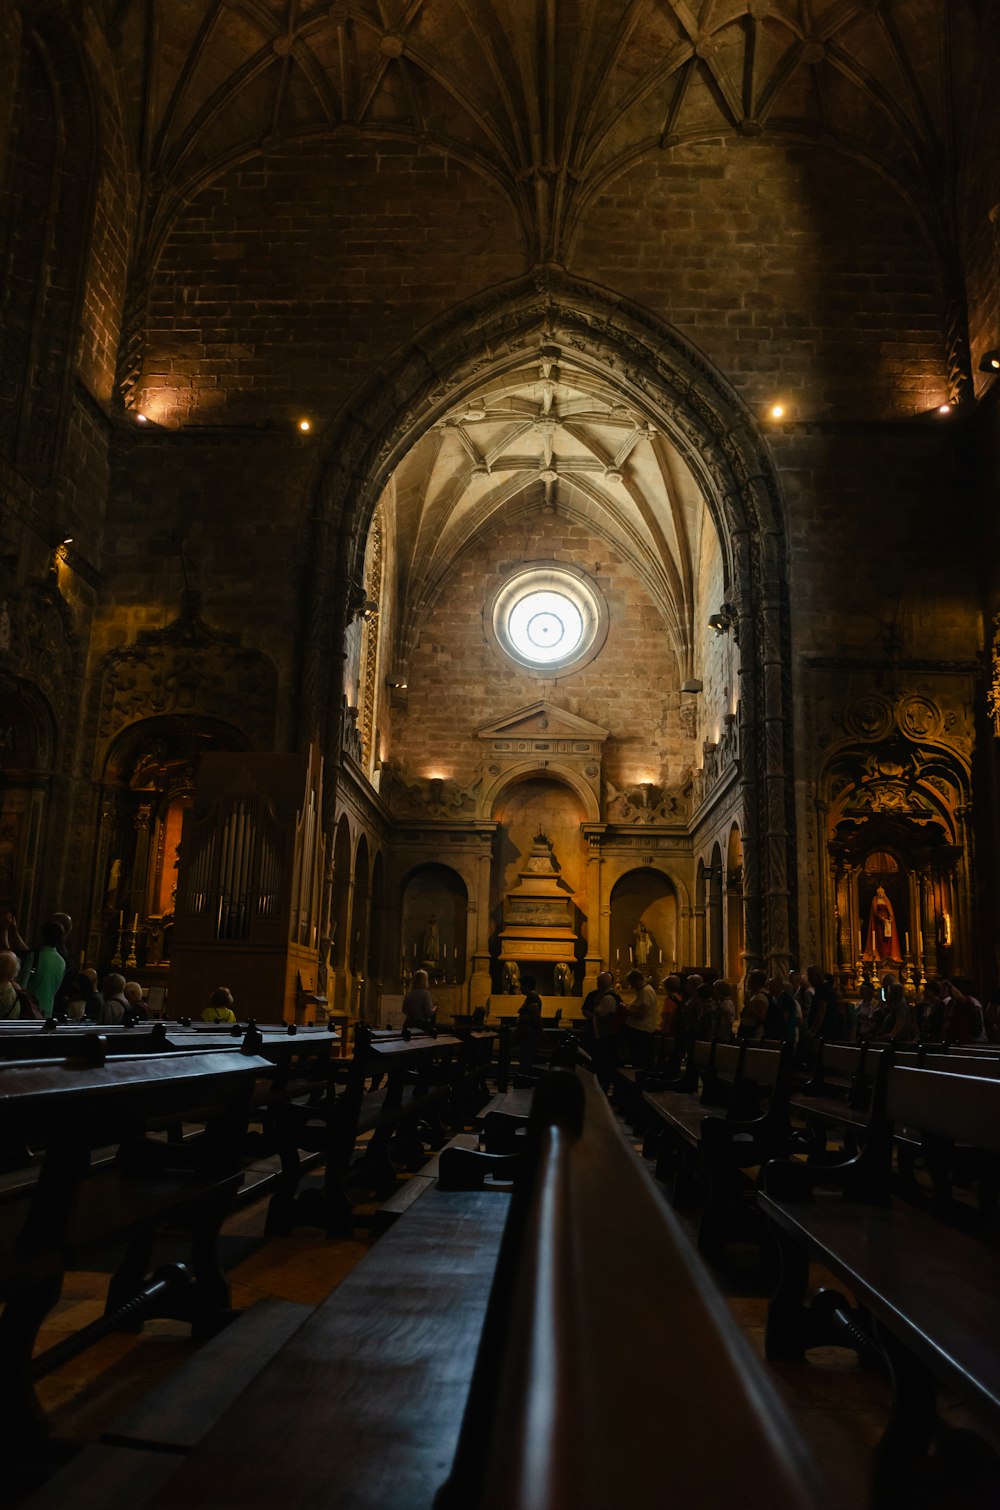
[{"x": 554, "y": 437}]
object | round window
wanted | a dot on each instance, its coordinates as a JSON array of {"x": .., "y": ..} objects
[{"x": 549, "y": 617}]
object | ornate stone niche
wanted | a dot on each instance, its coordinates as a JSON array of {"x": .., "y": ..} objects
[
  {"x": 544, "y": 739},
  {"x": 895, "y": 800},
  {"x": 188, "y": 668}
]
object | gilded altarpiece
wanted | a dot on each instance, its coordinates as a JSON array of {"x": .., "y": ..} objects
[{"x": 893, "y": 827}]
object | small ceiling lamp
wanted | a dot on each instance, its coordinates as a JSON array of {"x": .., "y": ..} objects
[
  {"x": 142, "y": 419},
  {"x": 990, "y": 362},
  {"x": 776, "y": 411},
  {"x": 945, "y": 408},
  {"x": 305, "y": 425}
]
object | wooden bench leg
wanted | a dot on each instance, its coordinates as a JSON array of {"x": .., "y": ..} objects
[
  {"x": 898, "y": 1460},
  {"x": 207, "y": 1304},
  {"x": 784, "y": 1338},
  {"x": 22, "y": 1420},
  {"x": 130, "y": 1275}
]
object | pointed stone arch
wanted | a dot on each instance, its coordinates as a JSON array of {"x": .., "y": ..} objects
[{"x": 544, "y": 316}]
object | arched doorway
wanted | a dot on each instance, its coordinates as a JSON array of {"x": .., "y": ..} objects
[
  {"x": 433, "y": 921},
  {"x": 716, "y": 911},
  {"x": 539, "y": 891},
  {"x": 644, "y": 924},
  {"x": 359, "y": 924},
  {"x": 544, "y": 324},
  {"x": 146, "y": 787},
  {"x": 734, "y": 907}
]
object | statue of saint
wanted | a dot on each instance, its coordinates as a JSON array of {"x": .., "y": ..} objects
[
  {"x": 643, "y": 944},
  {"x": 430, "y": 942},
  {"x": 883, "y": 936}
]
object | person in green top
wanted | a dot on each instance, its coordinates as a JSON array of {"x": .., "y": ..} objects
[
  {"x": 220, "y": 1007},
  {"x": 46, "y": 968}
]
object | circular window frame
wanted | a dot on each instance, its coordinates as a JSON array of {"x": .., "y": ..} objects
[{"x": 549, "y": 576}]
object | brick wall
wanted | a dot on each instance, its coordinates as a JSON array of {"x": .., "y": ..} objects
[
  {"x": 287, "y": 279},
  {"x": 800, "y": 273},
  {"x": 457, "y": 681}
]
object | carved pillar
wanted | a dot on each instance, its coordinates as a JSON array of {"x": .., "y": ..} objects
[
  {"x": 926, "y": 947},
  {"x": 480, "y": 981},
  {"x": 599, "y": 918},
  {"x": 748, "y": 735},
  {"x": 775, "y": 848}
]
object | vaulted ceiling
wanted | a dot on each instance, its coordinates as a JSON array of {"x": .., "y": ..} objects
[
  {"x": 547, "y": 440},
  {"x": 550, "y": 99}
]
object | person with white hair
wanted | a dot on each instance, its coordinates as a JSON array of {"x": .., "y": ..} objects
[{"x": 10, "y": 1006}]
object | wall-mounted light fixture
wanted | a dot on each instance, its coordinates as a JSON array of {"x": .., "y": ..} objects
[
  {"x": 370, "y": 610},
  {"x": 692, "y": 685},
  {"x": 990, "y": 362},
  {"x": 723, "y": 621},
  {"x": 396, "y": 683}
]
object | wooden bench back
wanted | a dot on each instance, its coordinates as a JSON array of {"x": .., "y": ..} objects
[
  {"x": 561, "y": 1414},
  {"x": 761, "y": 1066},
  {"x": 962, "y": 1108},
  {"x": 962, "y": 1064}
]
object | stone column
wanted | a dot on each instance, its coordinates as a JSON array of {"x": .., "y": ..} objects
[
  {"x": 478, "y": 925},
  {"x": 599, "y": 918}
]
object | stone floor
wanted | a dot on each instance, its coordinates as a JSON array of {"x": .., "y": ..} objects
[{"x": 840, "y": 1407}]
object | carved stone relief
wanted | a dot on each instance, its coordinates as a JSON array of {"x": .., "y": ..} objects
[{"x": 189, "y": 668}]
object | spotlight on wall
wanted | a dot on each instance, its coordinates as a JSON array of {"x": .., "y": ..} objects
[
  {"x": 142, "y": 419},
  {"x": 723, "y": 621},
  {"x": 396, "y": 683},
  {"x": 990, "y": 362},
  {"x": 776, "y": 411},
  {"x": 305, "y": 425},
  {"x": 945, "y": 408}
]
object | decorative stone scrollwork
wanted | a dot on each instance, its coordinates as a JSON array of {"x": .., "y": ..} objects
[
  {"x": 646, "y": 803},
  {"x": 993, "y": 691},
  {"x": 189, "y": 668},
  {"x": 427, "y": 797}
]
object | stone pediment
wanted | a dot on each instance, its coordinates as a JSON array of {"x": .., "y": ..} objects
[{"x": 543, "y": 727}]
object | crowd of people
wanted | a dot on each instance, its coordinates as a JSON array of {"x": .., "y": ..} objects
[
  {"x": 47, "y": 980},
  {"x": 801, "y": 1008}
]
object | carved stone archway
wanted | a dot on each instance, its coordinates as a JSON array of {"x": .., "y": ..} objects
[{"x": 549, "y": 314}]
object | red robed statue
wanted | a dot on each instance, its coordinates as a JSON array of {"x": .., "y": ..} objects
[{"x": 883, "y": 936}]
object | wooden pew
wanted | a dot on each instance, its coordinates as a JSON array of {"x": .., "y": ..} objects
[
  {"x": 928, "y": 1307},
  {"x": 562, "y": 1412},
  {"x": 422, "y": 1074},
  {"x": 68, "y": 1108},
  {"x": 374, "y": 1403}
]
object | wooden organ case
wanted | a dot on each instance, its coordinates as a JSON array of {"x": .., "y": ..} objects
[{"x": 250, "y": 886}]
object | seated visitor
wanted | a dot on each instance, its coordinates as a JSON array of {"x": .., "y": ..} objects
[
  {"x": 133, "y": 995},
  {"x": 113, "y": 1004},
  {"x": 419, "y": 1010},
  {"x": 10, "y": 1006},
  {"x": 220, "y": 1006}
]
